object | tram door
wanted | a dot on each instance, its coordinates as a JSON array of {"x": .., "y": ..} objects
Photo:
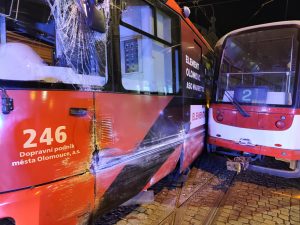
[
  {"x": 44, "y": 132},
  {"x": 193, "y": 94}
]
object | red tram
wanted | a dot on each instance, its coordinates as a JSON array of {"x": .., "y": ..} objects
[
  {"x": 256, "y": 103},
  {"x": 100, "y": 100}
]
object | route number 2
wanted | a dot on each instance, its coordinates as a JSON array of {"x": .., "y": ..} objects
[
  {"x": 46, "y": 137},
  {"x": 246, "y": 95}
]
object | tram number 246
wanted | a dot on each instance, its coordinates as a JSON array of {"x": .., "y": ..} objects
[{"x": 60, "y": 136}]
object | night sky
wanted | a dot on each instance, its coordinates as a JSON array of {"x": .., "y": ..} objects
[{"x": 234, "y": 14}]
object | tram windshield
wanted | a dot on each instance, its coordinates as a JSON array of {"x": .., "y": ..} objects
[
  {"x": 60, "y": 44},
  {"x": 259, "y": 67}
]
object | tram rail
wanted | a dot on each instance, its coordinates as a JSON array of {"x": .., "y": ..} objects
[{"x": 213, "y": 195}]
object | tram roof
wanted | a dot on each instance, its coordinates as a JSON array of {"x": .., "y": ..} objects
[
  {"x": 174, "y": 5},
  {"x": 290, "y": 22}
]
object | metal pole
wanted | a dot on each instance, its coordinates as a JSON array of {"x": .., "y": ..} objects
[
  {"x": 227, "y": 80},
  {"x": 286, "y": 9},
  {"x": 291, "y": 68},
  {"x": 2, "y": 30}
]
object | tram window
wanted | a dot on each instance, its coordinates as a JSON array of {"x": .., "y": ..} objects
[
  {"x": 148, "y": 62},
  {"x": 163, "y": 26},
  {"x": 140, "y": 15},
  {"x": 208, "y": 65},
  {"x": 177, "y": 86},
  {"x": 80, "y": 53}
]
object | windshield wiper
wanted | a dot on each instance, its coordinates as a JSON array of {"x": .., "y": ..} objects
[{"x": 237, "y": 105}]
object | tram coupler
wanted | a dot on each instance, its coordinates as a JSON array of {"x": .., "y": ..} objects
[{"x": 238, "y": 164}]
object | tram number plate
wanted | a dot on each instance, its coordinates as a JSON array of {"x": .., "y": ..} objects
[{"x": 251, "y": 94}]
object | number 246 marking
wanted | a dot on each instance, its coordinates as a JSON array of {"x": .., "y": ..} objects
[{"x": 46, "y": 137}]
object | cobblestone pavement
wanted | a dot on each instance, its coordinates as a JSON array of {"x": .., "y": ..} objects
[
  {"x": 261, "y": 199},
  {"x": 212, "y": 195}
]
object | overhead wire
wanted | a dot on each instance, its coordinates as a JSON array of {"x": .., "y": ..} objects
[
  {"x": 197, "y": 3},
  {"x": 259, "y": 9}
]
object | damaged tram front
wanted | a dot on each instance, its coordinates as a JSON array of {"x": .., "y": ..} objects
[{"x": 100, "y": 100}]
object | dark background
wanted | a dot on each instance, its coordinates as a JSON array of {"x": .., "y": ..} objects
[{"x": 233, "y": 14}]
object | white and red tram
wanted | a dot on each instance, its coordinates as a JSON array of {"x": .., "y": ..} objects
[{"x": 256, "y": 104}]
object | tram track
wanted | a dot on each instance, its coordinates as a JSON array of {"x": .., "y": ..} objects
[
  {"x": 180, "y": 194},
  {"x": 213, "y": 195},
  {"x": 206, "y": 174},
  {"x": 182, "y": 198},
  {"x": 220, "y": 201},
  {"x": 203, "y": 203},
  {"x": 206, "y": 181}
]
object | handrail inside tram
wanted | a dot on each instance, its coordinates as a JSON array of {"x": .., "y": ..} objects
[{"x": 271, "y": 72}]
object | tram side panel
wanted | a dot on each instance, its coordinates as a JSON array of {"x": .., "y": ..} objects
[
  {"x": 160, "y": 129},
  {"x": 170, "y": 128},
  {"x": 193, "y": 94},
  {"x": 41, "y": 142},
  {"x": 192, "y": 104},
  {"x": 150, "y": 110},
  {"x": 131, "y": 159},
  {"x": 79, "y": 151}
]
